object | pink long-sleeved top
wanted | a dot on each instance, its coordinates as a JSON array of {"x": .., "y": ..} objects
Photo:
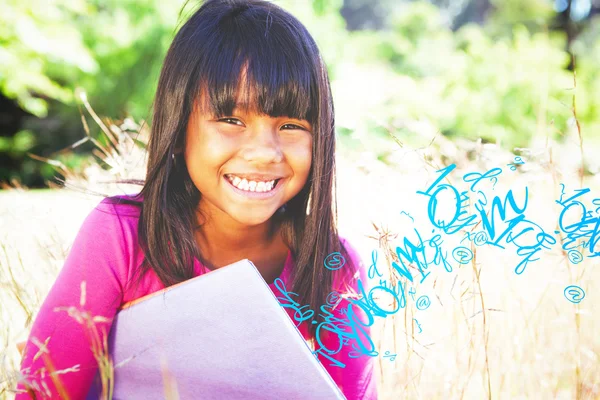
[{"x": 104, "y": 255}]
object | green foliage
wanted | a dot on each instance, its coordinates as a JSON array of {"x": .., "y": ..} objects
[
  {"x": 18, "y": 144},
  {"x": 587, "y": 59},
  {"x": 323, "y": 7},
  {"x": 32, "y": 35},
  {"x": 533, "y": 14},
  {"x": 111, "y": 49},
  {"x": 129, "y": 40},
  {"x": 467, "y": 84},
  {"x": 323, "y": 20},
  {"x": 501, "y": 81}
]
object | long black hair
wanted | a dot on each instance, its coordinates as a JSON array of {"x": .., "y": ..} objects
[{"x": 286, "y": 76}]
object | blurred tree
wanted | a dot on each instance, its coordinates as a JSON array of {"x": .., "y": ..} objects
[
  {"x": 112, "y": 49},
  {"x": 470, "y": 84},
  {"x": 476, "y": 11},
  {"x": 472, "y": 67},
  {"x": 32, "y": 34},
  {"x": 365, "y": 14},
  {"x": 572, "y": 17}
]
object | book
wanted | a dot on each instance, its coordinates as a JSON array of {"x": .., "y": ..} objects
[{"x": 220, "y": 335}]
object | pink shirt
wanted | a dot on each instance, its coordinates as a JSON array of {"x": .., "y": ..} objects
[{"x": 104, "y": 255}]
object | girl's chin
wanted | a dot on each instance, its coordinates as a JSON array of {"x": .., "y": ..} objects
[{"x": 253, "y": 219}]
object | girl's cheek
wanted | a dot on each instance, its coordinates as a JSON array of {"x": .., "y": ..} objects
[
  {"x": 218, "y": 146},
  {"x": 301, "y": 150}
]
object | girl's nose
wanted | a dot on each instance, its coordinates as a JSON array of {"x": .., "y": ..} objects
[{"x": 263, "y": 146}]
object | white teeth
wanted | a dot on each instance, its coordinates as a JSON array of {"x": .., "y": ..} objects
[{"x": 251, "y": 186}]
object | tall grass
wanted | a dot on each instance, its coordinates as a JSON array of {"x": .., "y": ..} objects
[{"x": 493, "y": 334}]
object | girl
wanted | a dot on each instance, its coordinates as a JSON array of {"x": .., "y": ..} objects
[{"x": 241, "y": 164}]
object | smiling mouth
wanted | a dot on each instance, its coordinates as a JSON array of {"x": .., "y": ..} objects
[{"x": 253, "y": 186}]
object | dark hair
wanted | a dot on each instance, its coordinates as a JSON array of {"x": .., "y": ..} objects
[{"x": 286, "y": 76}]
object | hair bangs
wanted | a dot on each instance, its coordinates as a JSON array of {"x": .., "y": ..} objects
[{"x": 266, "y": 73}]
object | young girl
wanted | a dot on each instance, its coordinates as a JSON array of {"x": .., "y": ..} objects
[{"x": 241, "y": 164}]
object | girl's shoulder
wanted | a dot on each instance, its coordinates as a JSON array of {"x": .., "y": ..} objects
[
  {"x": 117, "y": 211},
  {"x": 110, "y": 234},
  {"x": 113, "y": 220},
  {"x": 114, "y": 208},
  {"x": 125, "y": 205}
]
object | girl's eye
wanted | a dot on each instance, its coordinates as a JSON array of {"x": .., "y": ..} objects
[
  {"x": 293, "y": 126},
  {"x": 228, "y": 119}
]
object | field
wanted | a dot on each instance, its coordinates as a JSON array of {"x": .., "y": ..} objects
[{"x": 489, "y": 332}]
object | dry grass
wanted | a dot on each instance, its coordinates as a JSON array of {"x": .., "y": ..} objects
[{"x": 489, "y": 333}]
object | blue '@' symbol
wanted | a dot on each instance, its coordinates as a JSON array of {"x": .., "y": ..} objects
[
  {"x": 575, "y": 256},
  {"x": 334, "y": 261},
  {"x": 481, "y": 238},
  {"x": 423, "y": 303},
  {"x": 462, "y": 255},
  {"x": 574, "y": 294},
  {"x": 333, "y": 298}
]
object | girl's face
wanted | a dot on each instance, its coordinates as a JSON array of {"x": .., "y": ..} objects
[{"x": 246, "y": 165}]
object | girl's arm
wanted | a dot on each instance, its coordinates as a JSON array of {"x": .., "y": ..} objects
[{"x": 58, "y": 360}]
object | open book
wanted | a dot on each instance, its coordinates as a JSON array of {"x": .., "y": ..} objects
[{"x": 221, "y": 335}]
